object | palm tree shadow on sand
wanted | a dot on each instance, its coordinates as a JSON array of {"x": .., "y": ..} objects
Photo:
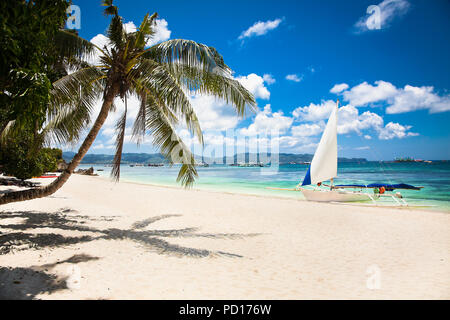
[
  {"x": 22, "y": 238},
  {"x": 26, "y": 283},
  {"x": 21, "y": 227}
]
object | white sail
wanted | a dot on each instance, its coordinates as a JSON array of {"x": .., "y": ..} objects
[{"x": 324, "y": 163}]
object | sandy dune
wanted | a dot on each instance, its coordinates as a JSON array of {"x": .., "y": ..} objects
[{"x": 95, "y": 239}]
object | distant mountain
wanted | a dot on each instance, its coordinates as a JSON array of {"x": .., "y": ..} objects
[
  {"x": 283, "y": 158},
  {"x": 129, "y": 158},
  {"x": 92, "y": 158}
]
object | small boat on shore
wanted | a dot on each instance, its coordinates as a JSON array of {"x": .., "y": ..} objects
[
  {"x": 155, "y": 165},
  {"x": 47, "y": 176},
  {"x": 324, "y": 166},
  {"x": 203, "y": 164},
  {"x": 247, "y": 165}
]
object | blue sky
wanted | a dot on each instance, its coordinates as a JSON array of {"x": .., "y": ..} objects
[{"x": 391, "y": 74}]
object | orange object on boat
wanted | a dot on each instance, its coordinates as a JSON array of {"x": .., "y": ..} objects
[{"x": 42, "y": 177}]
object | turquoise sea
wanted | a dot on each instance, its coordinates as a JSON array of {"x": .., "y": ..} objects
[{"x": 435, "y": 178}]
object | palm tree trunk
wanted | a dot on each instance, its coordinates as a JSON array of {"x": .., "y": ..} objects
[{"x": 41, "y": 192}]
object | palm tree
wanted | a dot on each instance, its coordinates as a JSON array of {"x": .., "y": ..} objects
[{"x": 161, "y": 76}]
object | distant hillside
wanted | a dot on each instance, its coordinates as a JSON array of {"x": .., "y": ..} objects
[
  {"x": 283, "y": 158},
  {"x": 127, "y": 158}
]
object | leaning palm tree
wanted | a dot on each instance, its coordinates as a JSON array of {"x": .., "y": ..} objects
[{"x": 161, "y": 76}]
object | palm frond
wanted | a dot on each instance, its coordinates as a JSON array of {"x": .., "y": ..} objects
[
  {"x": 68, "y": 126},
  {"x": 166, "y": 88},
  {"x": 75, "y": 64},
  {"x": 72, "y": 100},
  {"x": 186, "y": 52},
  {"x": 140, "y": 89},
  {"x": 138, "y": 132},
  {"x": 8, "y": 131},
  {"x": 145, "y": 30},
  {"x": 70, "y": 45},
  {"x": 67, "y": 89},
  {"x": 169, "y": 143},
  {"x": 116, "y": 33},
  {"x": 110, "y": 8},
  {"x": 197, "y": 80}
]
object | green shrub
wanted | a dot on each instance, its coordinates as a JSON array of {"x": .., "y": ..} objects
[{"x": 19, "y": 157}]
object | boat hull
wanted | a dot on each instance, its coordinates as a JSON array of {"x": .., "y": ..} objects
[{"x": 334, "y": 195}]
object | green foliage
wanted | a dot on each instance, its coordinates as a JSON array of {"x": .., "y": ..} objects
[
  {"x": 19, "y": 157},
  {"x": 28, "y": 59},
  {"x": 54, "y": 153},
  {"x": 35, "y": 53},
  {"x": 162, "y": 76},
  {"x": 49, "y": 159}
]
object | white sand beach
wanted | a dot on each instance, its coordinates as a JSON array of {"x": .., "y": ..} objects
[{"x": 95, "y": 239}]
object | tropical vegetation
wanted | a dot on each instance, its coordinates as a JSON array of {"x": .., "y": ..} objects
[
  {"x": 162, "y": 76},
  {"x": 35, "y": 53},
  {"x": 22, "y": 158}
]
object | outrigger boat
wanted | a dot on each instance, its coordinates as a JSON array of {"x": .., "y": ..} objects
[{"x": 324, "y": 168}]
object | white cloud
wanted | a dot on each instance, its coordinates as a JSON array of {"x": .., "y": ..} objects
[
  {"x": 260, "y": 28},
  {"x": 349, "y": 120},
  {"x": 398, "y": 100},
  {"x": 382, "y": 16},
  {"x": 365, "y": 93},
  {"x": 363, "y": 148},
  {"x": 100, "y": 40},
  {"x": 314, "y": 112},
  {"x": 214, "y": 114},
  {"x": 162, "y": 32},
  {"x": 129, "y": 27},
  {"x": 339, "y": 88},
  {"x": 295, "y": 143},
  {"x": 415, "y": 98},
  {"x": 101, "y": 146},
  {"x": 255, "y": 84},
  {"x": 305, "y": 147},
  {"x": 266, "y": 121},
  {"x": 307, "y": 130},
  {"x": 294, "y": 77},
  {"x": 395, "y": 130},
  {"x": 269, "y": 79}
]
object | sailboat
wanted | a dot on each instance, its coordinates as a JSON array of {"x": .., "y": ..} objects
[{"x": 324, "y": 168}]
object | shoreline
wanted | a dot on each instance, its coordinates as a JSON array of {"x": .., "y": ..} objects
[
  {"x": 412, "y": 208},
  {"x": 96, "y": 239}
]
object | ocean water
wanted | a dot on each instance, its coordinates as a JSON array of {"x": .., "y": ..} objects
[{"x": 435, "y": 178}]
